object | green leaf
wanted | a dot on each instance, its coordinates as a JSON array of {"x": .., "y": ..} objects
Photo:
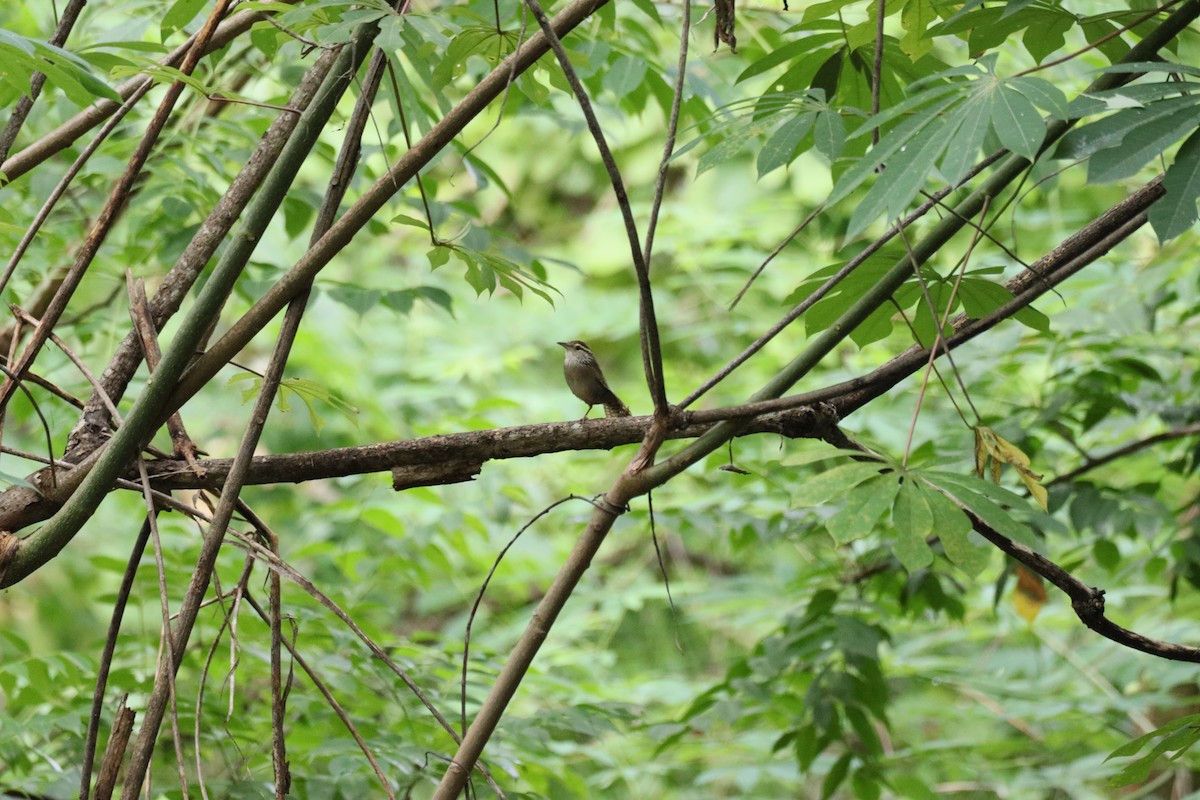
[
  {"x": 974, "y": 117},
  {"x": 924, "y": 124},
  {"x": 904, "y": 176},
  {"x": 953, "y": 529},
  {"x": 1043, "y": 94},
  {"x": 1030, "y": 317},
  {"x": 1048, "y": 35},
  {"x": 833, "y": 482},
  {"x": 1013, "y": 6},
  {"x": 983, "y": 498},
  {"x": 1133, "y": 747},
  {"x": 837, "y": 773},
  {"x": 178, "y": 15},
  {"x": 1110, "y": 131},
  {"x": 826, "y": 311},
  {"x": 1140, "y": 145},
  {"x": 913, "y": 520},
  {"x": 1175, "y": 742},
  {"x": 625, "y": 74},
  {"x": 787, "y": 52},
  {"x": 727, "y": 148},
  {"x": 830, "y": 134},
  {"x": 980, "y": 297},
  {"x": 916, "y": 17},
  {"x": 781, "y": 147},
  {"x": 1176, "y": 212},
  {"x": 21, "y": 57},
  {"x": 865, "y": 504},
  {"x": 813, "y": 452},
  {"x": 1017, "y": 123},
  {"x": 438, "y": 256}
]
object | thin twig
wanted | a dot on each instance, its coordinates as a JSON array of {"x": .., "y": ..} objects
[
  {"x": 804, "y": 223},
  {"x": 648, "y": 325},
  {"x": 165, "y": 607},
  {"x": 462, "y": 697},
  {"x": 1125, "y": 450},
  {"x": 660, "y": 183},
  {"x": 338, "y": 711},
  {"x": 106, "y": 656},
  {"x": 833, "y": 280}
]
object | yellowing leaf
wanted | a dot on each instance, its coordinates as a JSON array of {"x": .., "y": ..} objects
[
  {"x": 1029, "y": 595},
  {"x": 992, "y": 448}
]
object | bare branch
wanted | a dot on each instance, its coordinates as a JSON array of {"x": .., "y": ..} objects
[
  {"x": 1125, "y": 450},
  {"x": 1086, "y": 601}
]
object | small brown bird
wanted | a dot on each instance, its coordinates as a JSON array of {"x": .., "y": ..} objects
[{"x": 586, "y": 380}]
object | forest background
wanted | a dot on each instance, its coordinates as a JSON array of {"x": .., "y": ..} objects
[{"x": 347, "y": 237}]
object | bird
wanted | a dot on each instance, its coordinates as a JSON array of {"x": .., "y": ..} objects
[{"x": 586, "y": 380}]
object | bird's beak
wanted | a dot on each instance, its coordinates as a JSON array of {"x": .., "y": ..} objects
[{"x": 562, "y": 344}]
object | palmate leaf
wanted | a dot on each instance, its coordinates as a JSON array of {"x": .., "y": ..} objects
[
  {"x": 905, "y": 175},
  {"x": 950, "y": 119},
  {"x": 925, "y": 125}
]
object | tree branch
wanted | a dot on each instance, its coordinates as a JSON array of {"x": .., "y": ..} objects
[
  {"x": 61, "y": 137},
  {"x": 116, "y": 199},
  {"x": 152, "y": 407},
  {"x": 1125, "y": 450},
  {"x": 91, "y": 431},
  {"x": 1086, "y": 601}
]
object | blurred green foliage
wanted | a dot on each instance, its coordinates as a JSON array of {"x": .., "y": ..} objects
[{"x": 818, "y": 645}]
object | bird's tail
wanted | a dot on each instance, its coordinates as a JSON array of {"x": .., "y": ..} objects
[{"x": 616, "y": 408}]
